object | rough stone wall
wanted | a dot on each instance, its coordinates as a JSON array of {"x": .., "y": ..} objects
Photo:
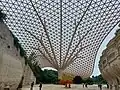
[
  {"x": 28, "y": 76},
  {"x": 12, "y": 65},
  {"x": 11, "y": 68},
  {"x": 110, "y": 62}
]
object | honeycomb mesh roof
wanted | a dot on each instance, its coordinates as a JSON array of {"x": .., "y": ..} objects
[{"x": 66, "y": 33}]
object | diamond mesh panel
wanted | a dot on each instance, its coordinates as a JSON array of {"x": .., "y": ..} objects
[{"x": 68, "y": 33}]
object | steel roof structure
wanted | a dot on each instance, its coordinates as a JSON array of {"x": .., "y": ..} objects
[{"x": 66, "y": 33}]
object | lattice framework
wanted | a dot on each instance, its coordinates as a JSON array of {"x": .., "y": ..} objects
[{"x": 58, "y": 29}]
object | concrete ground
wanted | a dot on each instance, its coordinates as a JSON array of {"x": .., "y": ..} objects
[{"x": 61, "y": 87}]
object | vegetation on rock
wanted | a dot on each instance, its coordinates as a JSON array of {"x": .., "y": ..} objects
[
  {"x": 44, "y": 76},
  {"x": 18, "y": 46},
  {"x": 118, "y": 30},
  {"x": 2, "y": 16},
  {"x": 16, "y": 41}
]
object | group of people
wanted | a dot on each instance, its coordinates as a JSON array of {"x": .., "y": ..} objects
[
  {"x": 67, "y": 85},
  {"x": 32, "y": 84},
  {"x": 85, "y": 85},
  {"x": 99, "y": 86}
]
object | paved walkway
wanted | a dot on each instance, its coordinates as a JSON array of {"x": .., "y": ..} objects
[{"x": 61, "y": 87}]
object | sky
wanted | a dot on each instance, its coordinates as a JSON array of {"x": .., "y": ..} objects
[{"x": 102, "y": 47}]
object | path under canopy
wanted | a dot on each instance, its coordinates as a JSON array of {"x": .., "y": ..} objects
[{"x": 61, "y": 87}]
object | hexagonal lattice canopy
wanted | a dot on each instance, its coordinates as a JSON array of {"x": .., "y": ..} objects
[{"x": 66, "y": 33}]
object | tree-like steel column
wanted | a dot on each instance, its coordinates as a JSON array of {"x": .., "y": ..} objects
[
  {"x": 60, "y": 31},
  {"x": 75, "y": 56},
  {"x": 68, "y": 60},
  {"x": 43, "y": 47},
  {"x": 44, "y": 27},
  {"x": 75, "y": 33}
]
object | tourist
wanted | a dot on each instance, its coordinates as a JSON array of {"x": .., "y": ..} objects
[
  {"x": 65, "y": 85},
  {"x": 111, "y": 87},
  {"x": 107, "y": 86},
  {"x": 32, "y": 84},
  {"x": 40, "y": 86},
  {"x": 100, "y": 86},
  {"x": 86, "y": 85},
  {"x": 83, "y": 85},
  {"x": 69, "y": 85}
]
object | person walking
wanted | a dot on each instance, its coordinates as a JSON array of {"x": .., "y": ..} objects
[
  {"x": 69, "y": 85},
  {"x": 86, "y": 85},
  {"x": 83, "y": 85},
  {"x": 32, "y": 84},
  {"x": 40, "y": 86},
  {"x": 100, "y": 86},
  {"x": 107, "y": 86}
]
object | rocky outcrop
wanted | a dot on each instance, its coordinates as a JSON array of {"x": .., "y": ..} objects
[
  {"x": 28, "y": 76},
  {"x": 12, "y": 65},
  {"x": 110, "y": 62}
]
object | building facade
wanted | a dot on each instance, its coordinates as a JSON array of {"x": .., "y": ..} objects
[{"x": 109, "y": 64}]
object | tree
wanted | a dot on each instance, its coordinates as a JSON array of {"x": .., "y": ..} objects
[
  {"x": 50, "y": 76},
  {"x": 89, "y": 81},
  {"x": 77, "y": 80},
  {"x": 31, "y": 61},
  {"x": 44, "y": 76},
  {"x": 99, "y": 79}
]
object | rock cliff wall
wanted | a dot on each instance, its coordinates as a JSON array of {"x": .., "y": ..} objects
[{"x": 12, "y": 65}]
